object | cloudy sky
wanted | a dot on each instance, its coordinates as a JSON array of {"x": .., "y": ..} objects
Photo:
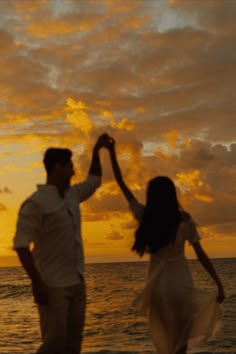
[{"x": 157, "y": 75}]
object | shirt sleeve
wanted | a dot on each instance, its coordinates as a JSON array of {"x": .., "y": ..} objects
[
  {"x": 85, "y": 189},
  {"x": 28, "y": 224},
  {"x": 191, "y": 233},
  {"x": 136, "y": 209}
]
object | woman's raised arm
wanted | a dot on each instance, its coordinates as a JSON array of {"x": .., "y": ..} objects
[{"x": 116, "y": 169}]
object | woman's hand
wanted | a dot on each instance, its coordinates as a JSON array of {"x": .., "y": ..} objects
[
  {"x": 205, "y": 261},
  {"x": 221, "y": 294},
  {"x": 108, "y": 141}
]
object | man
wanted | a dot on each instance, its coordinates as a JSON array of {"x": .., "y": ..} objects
[{"x": 50, "y": 219}]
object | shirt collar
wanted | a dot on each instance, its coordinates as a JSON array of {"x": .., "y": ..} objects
[
  {"x": 49, "y": 188},
  {"x": 46, "y": 186}
]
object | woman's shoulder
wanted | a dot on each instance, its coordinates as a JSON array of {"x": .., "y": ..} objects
[
  {"x": 186, "y": 221},
  {"x": 185, "y": 217},
  {"x": 189, "y": 227}
]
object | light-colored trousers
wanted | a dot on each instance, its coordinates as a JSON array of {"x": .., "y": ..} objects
[{"x": 62, "y": 320}]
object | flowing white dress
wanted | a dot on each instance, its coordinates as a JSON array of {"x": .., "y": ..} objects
[{"x": 178, "y": 314}]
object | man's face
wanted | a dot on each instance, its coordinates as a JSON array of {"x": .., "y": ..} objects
[{"x": 66, "y": 171}]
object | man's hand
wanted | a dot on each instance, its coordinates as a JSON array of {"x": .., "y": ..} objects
[
  {"x": 40, "y": 292},
  {"x": 101, "y": 141},
  {"x": 39, "y": 289},
  {"x": 95, "y": 167}
]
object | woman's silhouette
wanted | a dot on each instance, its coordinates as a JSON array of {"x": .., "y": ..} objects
[{"x": 178, "y": 314}]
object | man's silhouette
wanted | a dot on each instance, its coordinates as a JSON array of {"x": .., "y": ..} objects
[{"x": 50, "y": 220}]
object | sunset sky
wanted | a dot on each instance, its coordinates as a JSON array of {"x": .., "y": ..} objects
[{"x": 159, "y": 76}]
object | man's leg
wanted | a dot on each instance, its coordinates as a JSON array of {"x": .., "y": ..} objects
[
  {"x": 76, "y": 320},
  {"x": 53, "y": 321}
]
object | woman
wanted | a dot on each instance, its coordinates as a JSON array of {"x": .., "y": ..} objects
[{"x": 178, "y": 314}]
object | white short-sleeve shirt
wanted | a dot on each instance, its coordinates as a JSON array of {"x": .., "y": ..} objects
[{"x": 52, "y": 224}]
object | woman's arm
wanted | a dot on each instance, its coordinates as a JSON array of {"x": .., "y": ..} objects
[
  {"x": 117, "y": 172},
  {"x": 205, "y": 261}
]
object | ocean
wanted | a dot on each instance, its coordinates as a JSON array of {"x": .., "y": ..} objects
[{"x": 112, "y": 325}]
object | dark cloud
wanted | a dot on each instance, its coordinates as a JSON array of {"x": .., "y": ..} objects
[
  {"x": 8, "y": 45},
  {"x": 2, "y": 207},
  {"x": 5, "y": 190},
  {"x": 115, "y": 236}
]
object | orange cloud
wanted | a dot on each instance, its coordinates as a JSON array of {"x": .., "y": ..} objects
[
  {"x": 188, "y": 181},
  {"x": 136, "y": 23},
  {"x": 46, "y": 28},
  {"x": 29, "y": 6},
  {"x": 204, "y": 198},
  {"x": 17, "y": 118},
  {"x": 77, "y": 116},
  {"x": 171, "y": 138},
  {"x": 123, "y": 124}
]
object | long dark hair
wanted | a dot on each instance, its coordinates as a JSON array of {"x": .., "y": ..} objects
[{"x": 161, "y": 217}]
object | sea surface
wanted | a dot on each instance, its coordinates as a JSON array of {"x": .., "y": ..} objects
[{"x": 112, "y": 325}]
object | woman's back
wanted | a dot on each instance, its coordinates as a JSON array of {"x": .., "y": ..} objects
[
  {"x": 176, "y": 310},
  {"x": 186, "y": 231}
]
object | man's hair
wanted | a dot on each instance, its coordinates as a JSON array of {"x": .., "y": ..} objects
[{"x": 53, "y": 156}]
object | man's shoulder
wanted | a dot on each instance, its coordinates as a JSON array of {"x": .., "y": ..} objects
[
  {"x": 33, "y": 197},
  {"x": 34, "y": 200}
]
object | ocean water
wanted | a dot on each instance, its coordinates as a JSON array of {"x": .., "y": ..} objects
[{"x": 112, "y": 325}]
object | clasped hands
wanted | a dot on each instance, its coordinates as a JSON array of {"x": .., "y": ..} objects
[{"x": 105, "y": 141}]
